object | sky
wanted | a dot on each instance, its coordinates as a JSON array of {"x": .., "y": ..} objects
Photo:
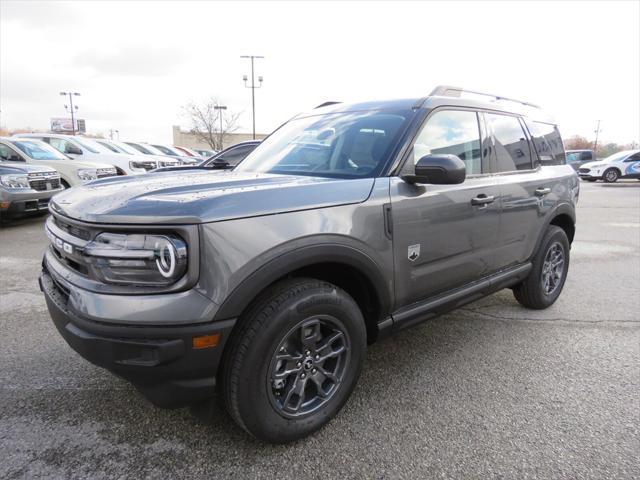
[{"x": 136, "y": 64}]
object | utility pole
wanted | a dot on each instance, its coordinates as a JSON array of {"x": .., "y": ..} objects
[
  {"x": 253, "y": 87},
  {"x": 71, "y": 109},
  {"x": 112, "y": 131},
  {"x": 595, "y": 144},
  {"x": 220, "y": 108}
]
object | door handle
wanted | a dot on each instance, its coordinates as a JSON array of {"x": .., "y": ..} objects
[
  {"x": 541, "y": 192},
  {"x": 482, "y": 199}
]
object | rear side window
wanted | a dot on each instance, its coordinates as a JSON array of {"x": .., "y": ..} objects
[
  {"x": 586, "y": 156},
  {"x": 511, "y": 146},
  {"x": 547, "y": 142}
]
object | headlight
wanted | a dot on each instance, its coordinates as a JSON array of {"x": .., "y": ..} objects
[
  {"x": 20, "y": 180},
  {"x": 144, "y": 166},
  {"x": 87, "y": 174},
  {"x": 138, "y": 259}
]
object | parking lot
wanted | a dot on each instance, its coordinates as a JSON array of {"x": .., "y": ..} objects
[{"x": 490, "y": 390}]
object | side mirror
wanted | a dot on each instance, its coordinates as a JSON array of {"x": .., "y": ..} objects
[
  {"x": 438, "y": 169},
  {"x": 72, "y": 149}
]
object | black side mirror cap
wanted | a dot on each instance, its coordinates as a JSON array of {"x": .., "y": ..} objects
[{"x": 438, "y": 169}]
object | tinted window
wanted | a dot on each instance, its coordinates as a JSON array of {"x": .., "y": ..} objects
[
  {"x": 547, "y": 142},
  {"x": 633, "y": 158},
  {"x": 58, "y": 143},
  {"x": 236, "y": 155},
  {"x": 6, "y": 153},
  {"x": 452, "y": 132},
  {"x": 338, "y": 145},
  {"x": 510, "y": 143},
  {"x": 586, "y": 156}
]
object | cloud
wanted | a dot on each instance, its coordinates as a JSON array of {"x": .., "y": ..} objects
[{"x": 136, "y": 60}]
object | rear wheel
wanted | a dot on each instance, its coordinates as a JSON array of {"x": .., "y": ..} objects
[
  {"x": 295, "y": 360},
  {"x": 548, "y": 273},
  {"x": 611, "y": 175}
]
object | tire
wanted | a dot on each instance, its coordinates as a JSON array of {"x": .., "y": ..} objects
[
  {"x": 610, "y": 175},
  {"x": 532, "y": 292},
  {"x": 267, "y": 359}
]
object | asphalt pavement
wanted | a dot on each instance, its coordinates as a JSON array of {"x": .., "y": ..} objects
[{"x": 488, "y": 391}]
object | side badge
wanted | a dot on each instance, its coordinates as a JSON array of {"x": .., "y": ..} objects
[{"x": 413, "y": 252}]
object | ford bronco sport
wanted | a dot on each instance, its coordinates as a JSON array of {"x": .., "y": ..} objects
[{"x": 348, "y": 223}]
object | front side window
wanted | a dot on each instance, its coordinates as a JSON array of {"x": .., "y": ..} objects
[
  {"x": 7, "y": 153},
  {"x": 453, "y": 132},
  {"x": 59, "y": 144},
  {"x": 234, "y": 156},
  {"x": 336, "y": 145},
  {"x": 39, "y": 150},
  {"x": 510, "y": 143}
]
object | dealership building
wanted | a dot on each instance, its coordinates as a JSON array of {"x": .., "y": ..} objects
[{"x": 187, "y": 139}]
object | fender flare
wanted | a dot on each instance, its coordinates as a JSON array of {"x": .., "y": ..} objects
[
  {"x": 562, "y": 209},
  {"x": 309, "y": 255}
]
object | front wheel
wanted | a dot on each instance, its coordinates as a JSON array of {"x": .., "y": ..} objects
[
  {"x": 295, "y": 360},
  {"x": 610, "y": 176},
  {"x": 548, "y": 273}
]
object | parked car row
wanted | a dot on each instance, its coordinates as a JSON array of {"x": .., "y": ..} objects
[{"x": 36, "y": 166}]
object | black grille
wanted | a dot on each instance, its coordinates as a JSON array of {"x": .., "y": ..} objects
[
  {"x": 41, "y": 185},
  {"x": 72, "y": 229},
  {"x": 584, "y": 170}
]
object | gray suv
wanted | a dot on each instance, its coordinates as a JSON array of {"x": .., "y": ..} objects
[{"x": 347, "y": 224}]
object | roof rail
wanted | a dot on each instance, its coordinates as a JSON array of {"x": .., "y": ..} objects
[
  {"x": 449, "y": 91},
  {"x": 326, "y": 104}
]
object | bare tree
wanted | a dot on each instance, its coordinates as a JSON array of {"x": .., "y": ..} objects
[{"x": 210, "y": 124}]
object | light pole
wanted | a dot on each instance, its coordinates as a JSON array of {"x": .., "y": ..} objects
[
  {"x": 70, "y": 108},
  {"x": 220, "y": 108},
  {"x": 253, "y": 87},
  {"x": 112, "y": 131},
  {"x": 597, "y": 132}
]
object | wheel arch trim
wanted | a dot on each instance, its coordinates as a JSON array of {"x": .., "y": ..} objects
[{"x": 276, "y": 268}]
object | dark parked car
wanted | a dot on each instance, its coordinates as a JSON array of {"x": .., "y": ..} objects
[
  {"x": 223, "y": 160},
  {"x": 26, "y": 189},
  {"x": 265, "y": 283},
  {"x": 577, "y": 158}
]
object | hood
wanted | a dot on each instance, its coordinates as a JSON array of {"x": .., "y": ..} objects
[
  {"x": 202, "y": 196},
  {"x": 9, "y": 168},
  {"x": 596, "y": 164}
]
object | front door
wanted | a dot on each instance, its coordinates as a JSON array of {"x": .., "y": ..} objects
[{"x": 444, "y": 235}]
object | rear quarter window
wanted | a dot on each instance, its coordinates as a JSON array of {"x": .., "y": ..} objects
[{"x": 547, "y": 142}]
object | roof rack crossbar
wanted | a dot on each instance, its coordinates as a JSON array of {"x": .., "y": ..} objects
[{"x": 449, "y": 91}]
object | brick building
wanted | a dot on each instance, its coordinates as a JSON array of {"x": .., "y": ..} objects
[{"x": 185, "y": 138}]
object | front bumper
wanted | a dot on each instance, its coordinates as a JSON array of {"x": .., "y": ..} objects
[
  {"x": 26, "y": 202},
  {"x": 159, "y": 360}
]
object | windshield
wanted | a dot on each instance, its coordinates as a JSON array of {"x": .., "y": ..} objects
[
  {"x": 124, "y": 148},
  {"x": 39, "y": 150},
  {"x": 93, "y": 147},
  {"x": 617, "y": 156},
  {"x": 168, "y": 150},
  {"x": 110, "y": 146},
  {"x": 338, "y": 145}
]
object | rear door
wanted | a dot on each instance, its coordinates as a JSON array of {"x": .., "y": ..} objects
[
  {"x": 526, "y": 189},
  {"x": 441, "y": 238}
]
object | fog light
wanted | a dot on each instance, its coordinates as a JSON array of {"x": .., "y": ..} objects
[{"x": 206, "y": 341}]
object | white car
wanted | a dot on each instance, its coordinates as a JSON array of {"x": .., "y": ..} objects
[
  {"x": 85, "y": 149},
  {"x": 121, "y": 147},
  {"x": 619, "y": 165},
  {"x": 36, "y": 152},
  {"x": 148, "y": 149}
]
